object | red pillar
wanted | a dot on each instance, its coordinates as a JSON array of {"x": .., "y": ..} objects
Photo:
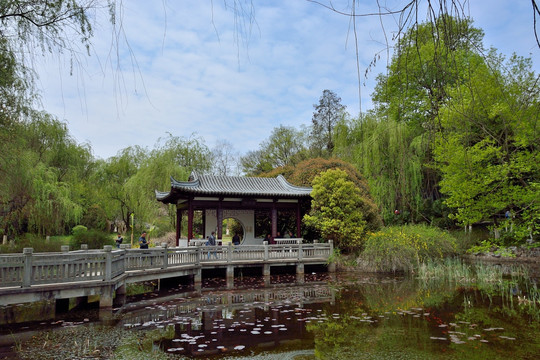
[
  {"x": 204, "y": 223},
  {"x": 298, "y": 220},
  {"x": 190, "y": 220},
  {"x": 274, "y": 219},
  {"x": 178, "y": 225},
  {"x": 219, "y": 214}
]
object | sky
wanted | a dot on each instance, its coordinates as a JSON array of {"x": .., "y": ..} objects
[{"x": 194, "y": 69}]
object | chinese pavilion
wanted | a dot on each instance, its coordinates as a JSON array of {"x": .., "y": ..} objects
[{"x": 241, "y": 198}]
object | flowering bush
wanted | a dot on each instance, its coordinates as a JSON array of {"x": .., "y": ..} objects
[{"x": 404, "y": 248}]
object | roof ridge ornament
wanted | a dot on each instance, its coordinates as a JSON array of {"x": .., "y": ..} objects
[{"x": 194, "y": 176}]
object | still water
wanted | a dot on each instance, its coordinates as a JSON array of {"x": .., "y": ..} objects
[{"x": 320, "y": 316}]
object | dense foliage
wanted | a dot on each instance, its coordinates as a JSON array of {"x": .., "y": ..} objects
[
  {"x": 404, "y": 248},
  {"x": 303, "y": 174},
  {"x": 337, "y": 210},
  {"x": 495, "y": 164},
  {"x": 452, "y": 140}
]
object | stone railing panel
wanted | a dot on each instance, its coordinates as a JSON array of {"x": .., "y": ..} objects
[
  {"x": 49, "y": 268},
  {"x": 283, "y": 252},
  {"x": 137, "y": 259},
  {"x": 247, "y": 252},
  {"x": 11, "y": 269},
  {"x": 182, "y": 256},
  {"x": 213, "y": 253}
]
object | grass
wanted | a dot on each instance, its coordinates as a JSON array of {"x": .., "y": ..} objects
[
  {"x": 513, "y": 286},
  {"x": 405, "y": 248},
  {"x": 139, "y": 288},
  {"x": 38, "y": 243}
]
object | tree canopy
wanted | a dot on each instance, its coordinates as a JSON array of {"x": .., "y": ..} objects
[{"x": 336, "y": 210}]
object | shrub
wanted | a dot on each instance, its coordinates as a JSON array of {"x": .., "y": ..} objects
[
  {"x": 487, "y": 246},
  {"x": 405, "y": 248},
  {"x": 95, "y": 218},
  {"x": 337, "y": 210},
  {"x": 303, "y": 174},
  {"x": 93, "y": 238},
  {"x": 38, "y": 243},
  {"x": 79, "y": 229}
]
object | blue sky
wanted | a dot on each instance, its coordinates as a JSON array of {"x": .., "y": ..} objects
[{"x": 194, "y": 69}]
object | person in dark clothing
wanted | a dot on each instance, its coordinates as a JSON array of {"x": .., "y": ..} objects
[
  {"x": 212, "y": 242},
  {"x": 269, "y": 239},
  {"x": 143, "y": 243},
  {"x": 236, "y": 239},
  {"x": 119, "y": 240}
]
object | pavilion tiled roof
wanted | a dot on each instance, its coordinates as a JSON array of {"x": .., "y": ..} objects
[{"x": 234, "y": 186}]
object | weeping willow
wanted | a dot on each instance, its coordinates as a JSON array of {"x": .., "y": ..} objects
[{"x": 390, "y": 156}]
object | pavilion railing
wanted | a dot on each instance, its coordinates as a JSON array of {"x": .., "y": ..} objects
[{"x": 29, "y": 268}]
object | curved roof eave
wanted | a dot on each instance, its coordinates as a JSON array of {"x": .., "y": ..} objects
[{"x": 234, "y": 186}]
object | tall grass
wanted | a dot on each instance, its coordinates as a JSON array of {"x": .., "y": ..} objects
[
  {"x": 38, "y": 243},
  {"x": 451, "y": 270},
  {"x": 513, "y": 286},
  {"x": 405, "y": 248}
]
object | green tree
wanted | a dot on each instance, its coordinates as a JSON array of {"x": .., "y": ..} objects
[
  {"x": 428, "y": 59},
  {"x": 393, "y": 145},
  {"x": 390, "y": 157},
  {"x": 172, "y": 157},
  {"x": 111, "y": 177},
  {"x": 283, "y": 147},
  {"x": 44, "y": 181},
  {"x": 491, "y": 129},
  {"x": 327, "y": 113},
  {"x": 336, "y": 210}
]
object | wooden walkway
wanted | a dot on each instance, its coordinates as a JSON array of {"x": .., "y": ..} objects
[{"x": 29, "y": 276}]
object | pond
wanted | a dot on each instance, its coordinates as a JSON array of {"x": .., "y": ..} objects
[{"x": 319, "y": 316}]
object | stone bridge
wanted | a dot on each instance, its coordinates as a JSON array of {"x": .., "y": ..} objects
[{"x": 30, "y": 276}]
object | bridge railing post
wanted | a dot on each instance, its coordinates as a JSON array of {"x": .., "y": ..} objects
[
  {"x": 332, "y": 265},
  {"x": 229, "y": 252},
  {"x": 197, "y": 255},
  {"x": 265, "y": 243},
  {"x": 165, "y": 255},
  {"x": 27, "y": 275},
  {"x": 300, "y": 250},
  {"x": 108, "y": 262}
]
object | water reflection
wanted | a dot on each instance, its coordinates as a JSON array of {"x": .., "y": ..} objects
[
  {"x": 220, "y": 322},
  {"x": 347, "y": 316}
]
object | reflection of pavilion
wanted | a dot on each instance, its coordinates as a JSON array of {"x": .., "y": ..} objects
[
  {"x": 228, "y": 302},
  {"x": 241, "y": 198},
  {"x": 219, "y": 321}
]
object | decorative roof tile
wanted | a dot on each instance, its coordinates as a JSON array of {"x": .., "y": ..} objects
[{"x": 234, "y": 186}]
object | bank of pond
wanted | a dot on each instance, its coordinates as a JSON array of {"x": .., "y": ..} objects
[{"x": 446, "y": 310}]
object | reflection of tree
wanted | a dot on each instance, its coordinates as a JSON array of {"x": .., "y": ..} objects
[
  {"x": 405, "y": 319},
  {"x": 391, "y": 295},
  {"x": 496, "y": 319}
]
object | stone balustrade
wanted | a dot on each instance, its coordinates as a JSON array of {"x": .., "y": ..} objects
[{"x": 31, "y": 269}]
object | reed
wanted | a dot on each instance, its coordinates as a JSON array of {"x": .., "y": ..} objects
[{"x": 512, "y": 285}]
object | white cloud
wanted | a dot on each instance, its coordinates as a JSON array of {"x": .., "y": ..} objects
[{"x": 194, "y": 72}]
